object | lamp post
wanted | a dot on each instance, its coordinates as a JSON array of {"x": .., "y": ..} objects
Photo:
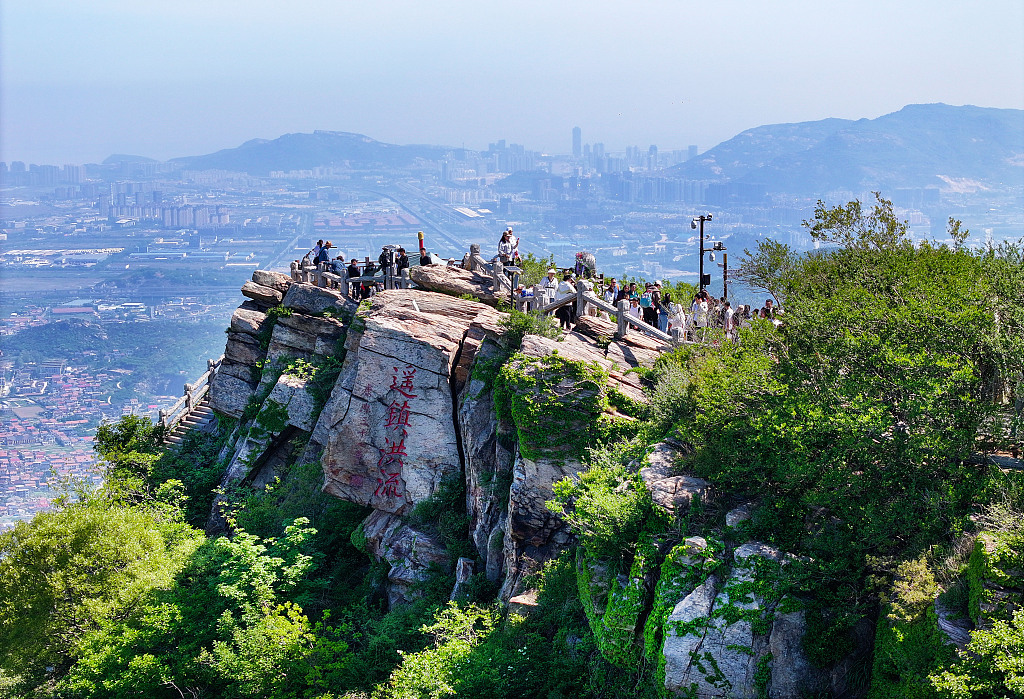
[{"x": 693, "y": 224}]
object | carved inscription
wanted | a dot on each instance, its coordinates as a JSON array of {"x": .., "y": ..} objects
[{"x": 393, "y": 454}]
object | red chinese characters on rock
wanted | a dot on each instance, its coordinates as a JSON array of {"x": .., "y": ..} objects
[{"x": 393, "y": 454}]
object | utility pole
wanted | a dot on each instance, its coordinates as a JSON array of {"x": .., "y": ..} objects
[
  {"x": 725, "y": 275},
  {"x": 701, "y": 283}
]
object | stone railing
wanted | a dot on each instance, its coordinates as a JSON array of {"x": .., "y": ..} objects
[
  {"x": 319, "y": 275},
  {"x": 504, "y": 284},
  {"x": 192, "y": 396},
  {"x": 624, "y": 321}
]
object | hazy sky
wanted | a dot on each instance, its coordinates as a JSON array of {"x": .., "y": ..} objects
[{"x": 81, "y": 79}]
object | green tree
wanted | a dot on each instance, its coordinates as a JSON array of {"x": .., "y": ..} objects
[{"x": 68, "y": 572}]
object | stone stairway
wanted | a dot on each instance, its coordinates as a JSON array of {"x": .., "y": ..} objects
[{"x": 200, "y": 417}]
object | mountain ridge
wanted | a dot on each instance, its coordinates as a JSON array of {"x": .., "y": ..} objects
[
  {"x": 920, "y": 145},
  {"x": 917, "y": 146}
]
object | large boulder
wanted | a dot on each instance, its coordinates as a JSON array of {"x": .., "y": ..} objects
[
  {"x": 264, "y": 295},
  {"x": 243, "y": 350},
  {"x": 303, "y": 337},
  {"x": 312, "y": 300},
  {"x": 247, "y": 321},
  {"x": 275, "y": 280},
  {"x": 392, "y": 437},
  {"x": 721, "y": 638},
  {"x": 454, "y": 281},
  {"x": 230, "y": 394}
]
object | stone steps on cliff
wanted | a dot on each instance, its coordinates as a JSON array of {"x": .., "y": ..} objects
[{"x": 200, "y": 416}]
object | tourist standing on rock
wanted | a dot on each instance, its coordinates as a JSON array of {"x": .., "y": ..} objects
[
  {"x": 567, "y": 313},
  {"x": 699, "y": 310},
  {"x": 354, "y": 272},
  {"x": 635, "y": 310},
  {"x": 508, "y": 248},
  {"x": 729, "y": 321},
  {"x": 549, "y": 285},
  {"x": 650, "y": 313},
  {"x": 402, "y": 262},
  {"x": 677, "y": 315},
  {"x": 325, "y": 253},
  {"x": 664, "y": 311},
  {"x": 611, "y": 293}
]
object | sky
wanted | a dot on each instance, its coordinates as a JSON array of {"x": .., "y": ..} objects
[{"x": 86, "y": 79}]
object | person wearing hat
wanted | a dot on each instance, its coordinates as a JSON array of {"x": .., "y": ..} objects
[
  {"x": 549, "y": 285},
  {"x": 507, "y": 247}
]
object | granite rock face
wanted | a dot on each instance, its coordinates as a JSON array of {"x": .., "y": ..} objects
[
  {"x": 414, "y": 405},
  {"x": 392, "y": 437},
  {"x": 671, "y": 491},
  {"x": 488, "y": 461},
  {"x": 312, "y": 300},
  {"x": 264, "y": 295},
  {"x": 408, "y": 551}
]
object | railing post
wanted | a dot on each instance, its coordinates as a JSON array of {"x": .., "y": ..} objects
[
  {"x": 188, "y": 397},
  {"x": 163, "y": 418},
  {"x": 293, "y": 268},
  {"x": 497, "y": 271},
  {"x": 678, "y": 336},
  {"x": 580, "y": 301},
  {"x": 620, "y": 317},
  {"x": 404, "y": 281}
]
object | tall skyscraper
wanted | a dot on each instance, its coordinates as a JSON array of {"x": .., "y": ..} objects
[
  {"x": 577, "y": 142},
  {"x": 691, "y": 152}
]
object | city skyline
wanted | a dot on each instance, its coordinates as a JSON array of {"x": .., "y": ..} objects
[{"x": 83, "y": 82}]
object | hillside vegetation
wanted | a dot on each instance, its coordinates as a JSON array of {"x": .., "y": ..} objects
[{"x": 853, "y": 434}]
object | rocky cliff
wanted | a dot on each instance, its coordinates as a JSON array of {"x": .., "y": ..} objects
[{"x": 398, "y": 399}]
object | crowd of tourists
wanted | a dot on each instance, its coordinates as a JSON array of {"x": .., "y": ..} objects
[
  {"x": 646, "y": 302},
  {"x": 649, "y": 303}
]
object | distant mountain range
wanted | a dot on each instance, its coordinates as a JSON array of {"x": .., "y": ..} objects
[
  {"x": 304, "y": 151},
  {"x": 921, "y": 145}
]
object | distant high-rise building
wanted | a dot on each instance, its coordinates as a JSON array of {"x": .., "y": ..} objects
[
  {"x": 691, "y": 152},
  {"x": 577, "y": 142}
]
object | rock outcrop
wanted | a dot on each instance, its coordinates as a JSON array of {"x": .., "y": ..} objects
[
  {"x": 412, "y": 407},
  {"x": 392, "y": 433}
]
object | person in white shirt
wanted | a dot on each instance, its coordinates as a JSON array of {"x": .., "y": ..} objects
[
  {"x": 727, "y": 321},
  {"x": 635, "y": 310},
  {"x": 699, "y": 309},
  {"x": 549, "y": 285},
  {"x": 612, "y": 292},
  {"x": 507, "y": 247},
  {"x": 567, "y": 313}
]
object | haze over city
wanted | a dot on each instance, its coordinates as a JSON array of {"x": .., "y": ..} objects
[{"x": 84, "y": 80}]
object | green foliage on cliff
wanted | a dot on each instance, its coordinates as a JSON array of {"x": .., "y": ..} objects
[
  {"x": 908, "y": 643},
  {"x": 852, "y": 424},
  {"x": 556, "y": 404}
]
